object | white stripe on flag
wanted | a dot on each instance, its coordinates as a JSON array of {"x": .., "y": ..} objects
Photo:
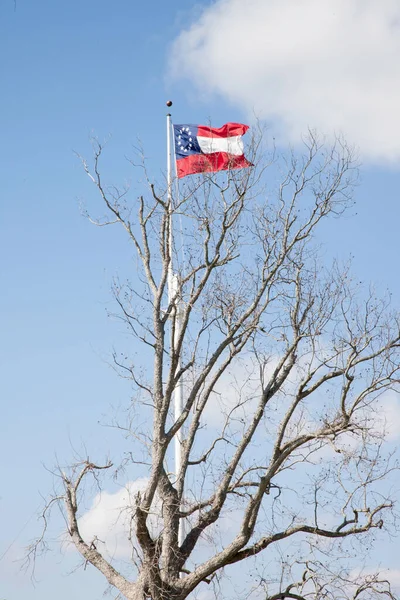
[{"x": 231, "y": 145}]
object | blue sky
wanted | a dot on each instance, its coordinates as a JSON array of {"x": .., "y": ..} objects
[{"x": 72, "y": 69}]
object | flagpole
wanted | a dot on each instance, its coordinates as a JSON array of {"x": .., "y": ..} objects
[{"x": 173, "y": 292}]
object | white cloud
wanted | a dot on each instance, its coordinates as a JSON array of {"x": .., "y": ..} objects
[
  {"x": 108, "y": 522},
  {"x": 392, "y": 575},
  {"x": 332, "y": 64},
  {"x": 238, "y": 387},
  {"x": 388, "y": 415},
  {"x": 109, "y": 519}
]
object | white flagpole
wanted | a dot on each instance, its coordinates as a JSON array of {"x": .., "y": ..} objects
[{"x": 173, "y": 292}]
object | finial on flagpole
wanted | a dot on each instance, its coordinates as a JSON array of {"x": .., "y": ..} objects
[{"x": 169, "y": 103}]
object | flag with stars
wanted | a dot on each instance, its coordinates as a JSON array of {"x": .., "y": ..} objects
[{"x": 201, "y": 149}]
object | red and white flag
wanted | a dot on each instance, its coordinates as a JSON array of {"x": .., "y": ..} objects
[{"x": 201, "y": 149}]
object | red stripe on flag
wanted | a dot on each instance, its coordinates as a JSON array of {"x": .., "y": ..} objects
[
  {"x": 206, "y": 163},
  {"x": 227, "y": 130}
]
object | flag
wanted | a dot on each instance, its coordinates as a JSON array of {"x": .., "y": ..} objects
[{"x": 201, "y": 149}]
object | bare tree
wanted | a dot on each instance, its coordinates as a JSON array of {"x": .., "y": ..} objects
[{"x": 284, "y": 363}]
